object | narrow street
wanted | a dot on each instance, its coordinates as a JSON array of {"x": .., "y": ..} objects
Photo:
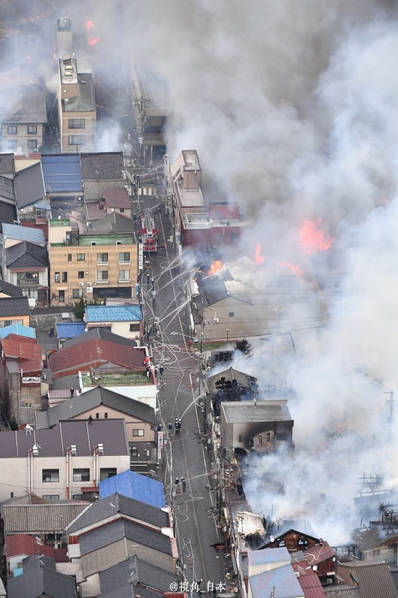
[{"x": 185, "y": 451}]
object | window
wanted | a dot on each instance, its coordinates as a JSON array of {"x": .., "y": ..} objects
[
  {"x": 81, "y": 475},
  {"x": 64, "y": 277},
  {"x": 32, "y": 144},
  {"x": 9, "y": 322},
  {"x": 80, "y": 274},
  {"x": 231, "y": 314},
  {"x": 69, "y": 257},
  {"x": 121, "y": 210},
  {"x": 106, "y": 415},
  {"x": 77, "y": 293},
  {"x": 76, "y": 123},
  {"x": 26, "y": 404},
  {"x": 102, "y": 275},
  {"x": 12, "y": 130},
  {"x": 51, "y": 496},
  {"x": 102, "y": 258},
  {"x": 61, "y": 296},
  {"x": 76, "y": 140},
  {"x": 57, "y": 277},
  {"x": 12, "y": 144},
  {"x": 97, "y": 416},
  {"x": 138, "y": 432},
  {"x": 81, "y": 257},
  {"x": 134, "y": 327},
  {"x": 124, "y": 257},
  {"x": 50, "y": 475},
  {"x": 32, "y": 129},
  {"x": 124, "y": 275},
  {"x": 107, "y": 472}
]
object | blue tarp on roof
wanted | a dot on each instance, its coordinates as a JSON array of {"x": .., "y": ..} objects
[
  {"x": 62, "y": 173},
  {"x": 18, "y": 329},
  {"x": 113, "y": 313},
  {"x": 134, "y": 485},
  {"x": 70, "y": 329}
]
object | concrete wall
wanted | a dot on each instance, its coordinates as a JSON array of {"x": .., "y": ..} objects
[
  {"x": 15, "y": 471},
  {"x": 88, "y": 132},
  {"x": 238, "y": 435},
  {"x": 147, "y": 393},
  {"x": 132, "y": 423},
  {"x": 22, "y": 136},
  {"x": 120, "y": 328},
  {"x": 15, "y": 320}
]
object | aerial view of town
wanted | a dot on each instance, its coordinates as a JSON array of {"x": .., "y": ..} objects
[{"x": 198, "y": 298}]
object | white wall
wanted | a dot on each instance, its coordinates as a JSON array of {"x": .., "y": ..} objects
[
  {"x": 146, "y": 393},
  {"x": 14, "y": 473},
  {"x": 123, "y": 329}
]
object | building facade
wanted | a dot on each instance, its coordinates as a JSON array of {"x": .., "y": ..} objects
[{"x": 90, "y": 266}]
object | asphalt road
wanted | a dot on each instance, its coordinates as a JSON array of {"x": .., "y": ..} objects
[{"x": 185, "y": 452}]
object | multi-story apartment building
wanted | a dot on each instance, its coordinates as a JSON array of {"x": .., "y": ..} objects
[
  {"x": 22, "y": 129},
  {"x": 76, "y": 107},
  {"x": 93, "y": 266}
]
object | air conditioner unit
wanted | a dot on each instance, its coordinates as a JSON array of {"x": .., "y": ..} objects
[
  {"x": 73, "y": 450},
  {"x": 81, "y": 284},
  {"x": 216, "y": 320}
]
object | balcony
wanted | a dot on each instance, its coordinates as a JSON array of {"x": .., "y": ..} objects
[{"x": 28, "y": 279}]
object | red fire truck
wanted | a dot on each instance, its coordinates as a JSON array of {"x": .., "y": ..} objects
[{"x": 149, "y": 234}]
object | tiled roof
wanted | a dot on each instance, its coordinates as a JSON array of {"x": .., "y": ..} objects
[
  {"x": 62, "y": 173},
  {"x": 23, "y": 233},
  {"x": 117, "y": 504},
  {"x": 39, "y": 579},
  {"x": 311, "y": 585},
  {"x": 95, "y": 352},
  {"x": 134, "y": 485},
  {"x": 70, "y": 329},
  {"x": 374, "y": 579},
  {"x": 53, "y": 442},
  {"x": 29, "y": 185},
  {"x": 29, "y": 107},
  {"x": 7, "y": 190},
  {"x": 40, "y": 518},
  {"x": 135, "y": 571},
  {"x": 19, "y": 330},
  {"x": 100, "y": 396},
  {"x": 26, "y": 255},
  {"x": 85, "y": 100},
  {"x": 116, "y": 198},
  {"x": 31, "y": 365},
  {"x": 10, "y": 289},
  {"x": 100, "y": 166},
  {"x": 98, "y": 333},
  {"x": 93, "y": 210},
  {"x": 16, "y": 544},
  {"x": 111, "y": 223},
  {"x": 21, "y": 349},
  {"x": 122, "y": 528},
  {"x": 113, "y": 313},
  {"x": 7, "y": 164}
]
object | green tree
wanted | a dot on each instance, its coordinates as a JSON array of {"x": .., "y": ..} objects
[{"x": 79, "y": 308}]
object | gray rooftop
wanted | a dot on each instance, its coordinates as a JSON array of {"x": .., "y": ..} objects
[
  {"x": 251, "y": 411},
  {"x": 85, "y": 100},
  {"x": 100, "y": 396},
  {"x": 50, "y": 517},
  {"x": 123, "y": 505},
  {"x": 122, "y": 528},
  {"x": 23, "y": 233},
  {"x": 102, "y": 166},
  {"x": 14, "y": 306},
  {"x": 134, "y": 571},
  {"x": 101, "y": 333},
  {"x": 41, "y": 579},
  {"x": 7, "y": 164},
  {"x": 10, "y": 289},
  {"x": 26, "y": 255},
  {"x": 111, "y": 223},
  {"x": 54, "y": 442},
  {"x": 29, "y": 185},
  {"x": 7, "y": 189}
]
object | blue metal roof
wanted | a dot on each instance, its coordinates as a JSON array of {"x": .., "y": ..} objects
[
  {"x": 134, "y": 485},
  {"x": 23, "y": 233},
  {"x": 113, "y": 313},
  {"x": 18, "y": 329},
  {"x": 281, "y": 580},
  {"x": 62, "y": 172},
  {"x": 70, "y": 329}
]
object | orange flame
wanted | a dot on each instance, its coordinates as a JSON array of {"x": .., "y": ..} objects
[
  {"x": 313, "y": 238},
  {"x": 260, "y": 259},
  {"x": 295, "y": 269},
  {"x": 216, "y": 266},
  {"x": 93, "y": 41},
  {"x": 89, "y": 24}
]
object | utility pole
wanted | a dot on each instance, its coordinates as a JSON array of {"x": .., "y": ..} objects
[{"x": 390, "y": 403}]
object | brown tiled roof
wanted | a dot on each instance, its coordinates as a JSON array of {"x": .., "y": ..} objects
[
  {"x": 116, "y": 198},
  {"x": 374, "y": 579},
  {"x": 21, "y": 349},
  {"x": 95, "y": 352}
]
